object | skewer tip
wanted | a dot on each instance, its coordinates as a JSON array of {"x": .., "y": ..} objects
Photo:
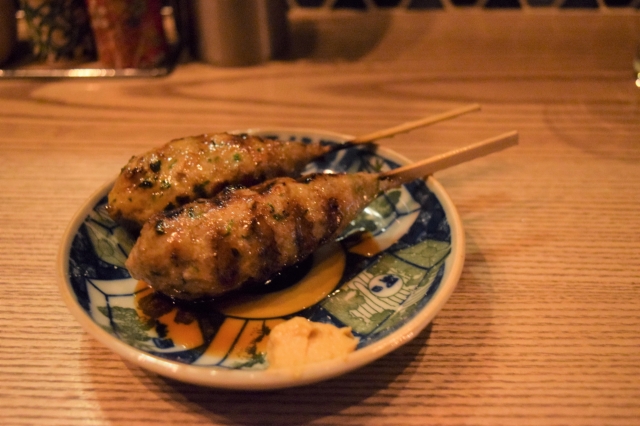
[{"x": 439, "y": 162}]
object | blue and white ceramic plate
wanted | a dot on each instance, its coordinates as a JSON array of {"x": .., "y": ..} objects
[{"x": 386, "y": 278}]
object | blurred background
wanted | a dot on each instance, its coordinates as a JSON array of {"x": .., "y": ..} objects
[{"x": 44, "y": 38}]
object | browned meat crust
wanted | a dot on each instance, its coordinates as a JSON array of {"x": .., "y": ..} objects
[
  {"x": 199, "y": 167},
  {"x": 210, "y": 247}
]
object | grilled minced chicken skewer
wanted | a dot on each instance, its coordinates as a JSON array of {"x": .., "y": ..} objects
[
  {"x": 199, "y": 167},
  {"x": 186, "y": 169},
  {"x": 210, "y": 247}
]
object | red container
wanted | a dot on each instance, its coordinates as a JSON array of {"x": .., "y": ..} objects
[{"x": 128, "y": 33}]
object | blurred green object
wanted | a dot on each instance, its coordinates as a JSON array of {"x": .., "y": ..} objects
[{"x": 59, "y": 30}]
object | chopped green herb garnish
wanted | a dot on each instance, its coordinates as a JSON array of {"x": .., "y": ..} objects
[
  {"x": 280, "y": 216},
  {"x": 160, "y": 227},
  {"x": 237, "y": 157},
  {"x": 227, "y": 229}
]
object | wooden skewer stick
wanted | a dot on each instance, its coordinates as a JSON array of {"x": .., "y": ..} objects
[
  {"x": 410, "y": 125},
  {"x": 431, "y": 165}
]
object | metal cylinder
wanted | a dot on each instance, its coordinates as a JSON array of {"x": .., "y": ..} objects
[{"x": 240, "y": 32}]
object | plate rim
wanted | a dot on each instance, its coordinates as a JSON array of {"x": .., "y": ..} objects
[{"x": 271, "y": 379}]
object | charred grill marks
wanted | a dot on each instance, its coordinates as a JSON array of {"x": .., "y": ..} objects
[
  {"x": 266, "y": 188},
  {"x": 265, "y": 238},
  {"x": 172, "y": 213},
  {"x": 333, "y": 214},
  {"x": 304, "y": 238},
  {"x": 226, "y": 268},
  {"x": 182, "y": 199},
  {"x": 200, "y": 189}
]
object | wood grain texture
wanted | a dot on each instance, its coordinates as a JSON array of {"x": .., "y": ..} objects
[{"x": 544, "y": 326}]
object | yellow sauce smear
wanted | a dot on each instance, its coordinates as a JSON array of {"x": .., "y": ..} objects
[
  {"x": 225, "y": 337},
  {"x": 367, "y": 246},
  {"x": 325, "y": 273}
]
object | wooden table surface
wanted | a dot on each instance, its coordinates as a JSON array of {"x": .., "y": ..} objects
[{"x": 544, "y": 326}]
